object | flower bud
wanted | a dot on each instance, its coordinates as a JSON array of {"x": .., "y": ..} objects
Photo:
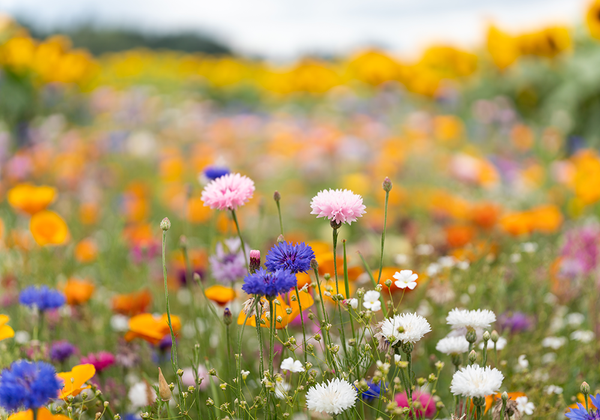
[
  {"x": 163, "y": 389},
  {"x": 387, "y": 185},
  {"x": 388, "y": 283},
  {"x": 210, "y": 402},
  {"x": 486, "y": 336},
  {"x": 276, "y": 196},
  {"x": 431, "y": 378},
  {"x": 472, "y": 356},
  {"x": 314, "y": 264},
  {"x": 471, "y": 336},
  {"x": 254, "y": 260},
  {"x": 585, "y": 388},
  {"x": 504, "y": 397},
  {"x": 180, "y": 372},
  {"x": 494, "y": 336},
  {"x": 165, "y": 224},
  {"x": 280, "y": 239},
  {"x": 227, "y": 317}
]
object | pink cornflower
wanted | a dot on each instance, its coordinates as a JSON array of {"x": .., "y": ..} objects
[
  {"x": 228, "y": 192},
  {"x": 100, "y": 360},
  {"x": 341, "y": 206}
]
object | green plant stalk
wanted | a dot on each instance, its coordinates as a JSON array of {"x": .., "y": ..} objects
[
  {"x": 302, "y": 322},
  {"x": 368, "y": 269},
  {"x": 237, "y": 227},
  {"x": 347, "y": 286},
  {"x": 387, "y": 196},
  {"x": 337, "y": 289},
  {"x": 326, "y": 334},
  {"x": 280, "y": 218}
]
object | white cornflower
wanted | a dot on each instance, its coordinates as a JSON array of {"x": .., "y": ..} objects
[
  {"x": 529, "y": 247},
  {"x": 371, "y": 300},
  {"x": 524, "y": 406},
  {"x": 413, "y": 328},
  {"x": 522, "y": 362},
  {"x": 353, "y": 303},
  {"x": 476, "y": 381},
  {"x": 332, "y": 397},
  {"x": 554, "y": 342},
  {"x": 292, "y": 365},
  {"x": 453, "y": 345},
  {"x": 433, "y": 269},
  {"x": 500, "y": 344},
  {"x": 583, "y": 336},
  {"x": 281, "y": 389},
  {"x": 424, "y": 249},
  {"x": 553, "y": 389},
  {"x": 406, "y": 278},
  {"x": 462, "y": 318},
  {"x": 141, "y": 394},
  {"x": 575, "y": 319}
]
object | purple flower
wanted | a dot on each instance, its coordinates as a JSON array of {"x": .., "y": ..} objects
[
  {"x": 580, "y": 413},
  {"x": 61, "y": 351},
  {"x": 286, "y": 256},
  {"x": 42, "y": 298},
  {"x": 229, "y": 266},
  {"x": 581, "y": 250},
  {"x": 214, "y": 172},
  {"x": 28, "y": 385},
  {"x": 263, "y": 283},
  {"x": 515, "y": 322}
]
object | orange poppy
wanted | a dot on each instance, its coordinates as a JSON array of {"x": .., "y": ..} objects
[
  {"x": 78, "y": 292},
  {"x": 150, "y": 328},
  {"x": 42, "y": 414},
  {"x": 31, "y": 199},
  {"x": 48, "y": 228},
  {"x": 86, "y": 251},
  {"x": 459, "y": 235},
  {"x": 131, "y": 304},
  {"x": 75, "y": 379},
  {"x": 220, "y": 294},
  {"x": 88, "y": 213},
  {"x": 485, "y": 215},
  {"x": 306, "y": 301},
  {"x": 5, "y": 330}
]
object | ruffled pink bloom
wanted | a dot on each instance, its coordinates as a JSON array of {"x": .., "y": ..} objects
[
  {"x": 100, "y": 360},
  {"x": 341, "y": 206},
  {"x": 426, "y": 401},
  {"x": 228, "y": 192}
]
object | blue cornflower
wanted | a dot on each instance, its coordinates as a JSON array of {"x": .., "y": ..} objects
[
  {"x": 214, "y": 172},
  {"x": 373, "y": 392},
  {"x": 286, "y": 256},
  {"x": 61, "y": 351},
  {"x": 28, "y": 385},
  {"x": 267, "y": 284},
  {"x": 580, "y": 413},
  {"x": 42, "y": 298}
]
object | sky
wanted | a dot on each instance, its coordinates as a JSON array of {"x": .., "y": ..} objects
[{"x": 288, "y": 28}]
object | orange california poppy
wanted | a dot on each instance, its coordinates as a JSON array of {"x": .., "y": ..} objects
[
  {"x": 546, "y": 218},
  {"x": 131, "y": 304},
  {"x": 78, "y": 292},
  {"x": 42, "y": 414},
  {"x": 88, "y": 213},
  {"x": 220, "y": 294},
  {"x": 459, "y": 235},
  {"x": 306, "y": 301},
  {"x": 5, "y": 330},
  {"x": 86, "y": 251},
  {"x": 48, "y": 228},
  {"x": 150, "y": 328},
  {"x": 74, "y": 380},
  {"x": 485, "y": 215},
  {"x": 31, "y": 199}
]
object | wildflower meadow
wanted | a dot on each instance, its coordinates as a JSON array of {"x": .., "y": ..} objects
[{"x": 196, "y": 237}]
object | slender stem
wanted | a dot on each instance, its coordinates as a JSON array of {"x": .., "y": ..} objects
[
  {"x": 302, "y": 322},
  {"x": 337, "y": 290},
  {"x": 280, "y": 219},
  {"x": 174, "y": 343},
  {"x": 237, "y": 226},
  {"x": 387, "y": 196}
]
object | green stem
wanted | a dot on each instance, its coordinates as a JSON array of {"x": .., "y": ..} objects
[
  {"x": 337, "y": 290},
  {"x": 237, "y": 227},
  {"x": 174, "y": 343},
  {"x": 387, "y": 196},
  {"x": 302, "y": 322},
  {"x": 280, "y": 219}
]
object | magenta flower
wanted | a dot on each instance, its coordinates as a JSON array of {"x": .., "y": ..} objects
[
  {"x": 341, "y": 206},
  {"x": 228, "y": 192},
  {"x": 427, "y": 403},
  {"x": 100, "y": 360}
]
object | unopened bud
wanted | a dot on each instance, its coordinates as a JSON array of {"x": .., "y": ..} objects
[
  {"x": 388, "y": 283},
  {"x": 276, "y": 196},
  {"x": 254, "y": 260},
  {"x": 472, "y": 356},
  {"x": 227, "y": 317},
  {"x": 504, "y": 397},
  {"x": 314, "y": 264},
  {"x": 486, "y": 336},
  {"x": 585, "y": 388},
  {"x": 471, "y": 336},
  {"x": 165, "y": 224},
  {"x": 210, "y": 402},
  {"x": 280, "y": 239},
  {"x": 494, "y": 336},
  {"x": 387, "y": 184}
]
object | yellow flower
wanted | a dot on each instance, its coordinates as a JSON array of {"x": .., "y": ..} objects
[
  {"x": 220, "y": 294},
  {"x": 502, "y": 47},
  {"x": 75, "y": 379},
  {"x": 5, "y": 330},
  {"x": 31, "y": 199},
  {"x": 42, "y": 414},
  {"x": 151, "y": 328},
  {"x": 592, "y": 19},
  {"x": 48, "y": 228}
]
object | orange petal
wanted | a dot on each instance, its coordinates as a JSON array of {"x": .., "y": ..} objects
[
  {"x": 43, "y": 414},
  {"x": 75, "y": 379}
]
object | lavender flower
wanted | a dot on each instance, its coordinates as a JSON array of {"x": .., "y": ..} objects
[{"x": 229, "y": 265}]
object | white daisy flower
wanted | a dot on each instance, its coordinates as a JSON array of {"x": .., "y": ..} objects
[
  {"x": 522, "y": 362},
  {"x": 352, "y": 303},
  {"x": 554, "y": 342},
  {"x": 453, "y": 345},
  {"x": 413, "y": 327},
  {"x": 476, "y": 381},
  {"x": 406, "y": 278},
  {"x": 371, "y": 300},
  {"x": 462, "y": 318},
  {"x": 582, "y": 336},
  {"x": 292, "y": 365},
  {"x": 524, "y": 406},
  {"x": 332, "y": 397}
]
